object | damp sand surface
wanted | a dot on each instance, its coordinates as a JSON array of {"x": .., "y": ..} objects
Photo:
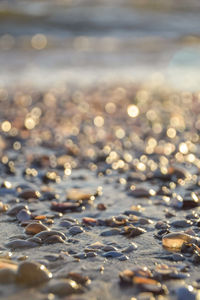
[{"x": 92, "y": 180}]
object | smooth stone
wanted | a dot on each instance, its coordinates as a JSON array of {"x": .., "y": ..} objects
[
  {"x": 181, "y": 223},
  {"x": 66, "y": 224},
  {"x": 91, "y": 254},
  {"x": 7, "y": 275},
  {"x": 13, "y": 211},
  {"x": 29, "y": 194},
  {"x": 78, "y": 194},
  {"x": 184, "y": 293},
  {"x": 178, "y": 257},
  {"x": 161, "y": 225},
  {"x": 130, "y": 248},
  {"x": 114, "y": 231},
  {"x": 63, "y": 287},
  {"x": 44, "y": 234},
  {"x": 133, "y": 231},
  {"x": 23, "y": 215},
  {"x": 139, "y": 193},
  {"x": 75, "y": 230},
  {"x": 80, "y": 255},
  {"x": 17, "y": 244},
  {"x": 79, "y": 278},
  {"x": 123, "y": 258},
  {"x": 112, "y": 254},
  {"x": 53, "y": 239},
  {"x": 177, "y": 239},
  {"x": 34, "y": 228},
  {"x": 35, "y": 240},
  {"x": 32, "y": 273},
  {"x": 108, "y": 248}
]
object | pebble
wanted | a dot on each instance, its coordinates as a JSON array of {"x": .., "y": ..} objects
[
  {"x": 114, "y": 231},
  {"x": 29, "y": 194},
  {"x": 35, "y": 240},
  {"x": 112, "y": 254},
  {"x": 24, "y": 215},
  {"x": 32, "y": 273},
  {"x": 18, "y": 244},
  {"x": 45, "y": 234},
  {"x": 132, "y": 231},
  {"x": 34, "y": 228},
  {"x": 78, "y": 194},
  {"x": 75, "y": 230},
  {"x": 108, "y": 248},
  {"x": 53, "y": 239},
  {"x": 63, "y": 287},
  {"x": 177, "y": 239},
  {"x": 65, "y": 206},
  {"x": 139, "y": 193},
  {"x": 66, "y": 224},
  {"x": 80, "y": 255},
  {"x": 186, "y": 293},
  {"x": 178, "y": 257},
  {"x": 130, "y": 248},
  {"x": 13, "y": 211},
  {"x": 162, "y": 225},
  {"x": 91, "y": 254},
  {"x": 181, "y": 223},
  {"x": 123, "y": 258},
  {"x": 79, "y": 278}
]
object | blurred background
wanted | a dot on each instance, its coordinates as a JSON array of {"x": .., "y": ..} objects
[{"x": 83, "y": 41}]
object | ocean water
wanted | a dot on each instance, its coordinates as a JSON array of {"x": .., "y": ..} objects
[{"x": 50, "y": 41}]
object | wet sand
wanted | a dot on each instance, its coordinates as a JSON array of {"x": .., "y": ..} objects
[{"x": 110, "y": 171}]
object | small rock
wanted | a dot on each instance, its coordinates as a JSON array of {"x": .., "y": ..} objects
[
  {"x": 13, "y": 211},
  {"x": 130, "y": 248},
  {"x": 186, "y": 293},
  {"x": 34, "y": 228},
  {"x": 53, "y": 239},
  {"x": 112, "y": 254},
  {"x": 65, "y": 206},
  {"x": 63, "y": 287},
  {"x": 75, "y": 230},
  {"x": 23, "y": 215},
  {"x": 18, "y": 244},
  {"x": 32, "y": 273},
  {"x": 45, "y": 234},
  {"x": 181, "y": 223},
  {"x": 30, "y": 194},
  {"x": 132, "y": 231}
]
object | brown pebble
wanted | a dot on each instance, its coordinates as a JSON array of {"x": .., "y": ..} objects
[
  {"x": 34, "y": 228},
  {"x": 53, "y": 239},
  {"x": 63, "y": 287},
  {"x": 30, "y": 194},
  {"x": 101, "y": 206},
  {"x": 32, "y": 273}
]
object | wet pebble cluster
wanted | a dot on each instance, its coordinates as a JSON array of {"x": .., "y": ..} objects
[{"x": 99, "y": 182}]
